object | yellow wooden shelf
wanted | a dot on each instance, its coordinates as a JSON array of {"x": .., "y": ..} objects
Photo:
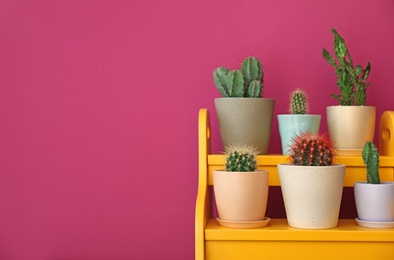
[
  {"x": 278, "y": 240},
  {"x": 278, "y": 230}
]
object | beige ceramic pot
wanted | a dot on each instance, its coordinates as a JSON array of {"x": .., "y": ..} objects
[
  {"x": 241, "y": 196},
  {"x": 245, "y": 121},
  {"x": 350, "y": 127},
  {"x": 312, "y": 194}
]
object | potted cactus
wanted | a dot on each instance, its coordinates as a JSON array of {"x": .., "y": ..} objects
[
  {"x": 244, "y": 115},
  {"x": 298, "y": 120},
  {"x": 374, "y": 199},
  {"x": 352, "y": 123},
  {"x": 241, "y": 191},
  {"x": 311, "y": 183}
]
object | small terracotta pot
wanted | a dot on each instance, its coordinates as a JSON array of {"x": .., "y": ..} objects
[{"x": 241, "y": 196}]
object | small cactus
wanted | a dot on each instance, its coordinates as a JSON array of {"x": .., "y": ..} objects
[
  {"x": 247, "y": 82},
  {"x": 312, "y": 150},
  {"x": 240, "y": 158},
  {"x": 298, "y": 102},
  {"x": 371, "y": 159}
]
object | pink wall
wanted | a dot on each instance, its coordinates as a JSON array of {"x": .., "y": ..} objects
[{"x": 99, "y": 103}]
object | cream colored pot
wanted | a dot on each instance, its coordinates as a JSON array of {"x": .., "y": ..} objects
[{"x": 312, "y": 194}]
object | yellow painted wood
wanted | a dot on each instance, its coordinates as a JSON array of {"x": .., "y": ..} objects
[
  {"x": 355, "y": 167},
  {"x": 278, "y": 230},
  {"x": 312, "y": 250},
  {"x": 203, "y": 198},
  {"x": 278, "y": 240}
]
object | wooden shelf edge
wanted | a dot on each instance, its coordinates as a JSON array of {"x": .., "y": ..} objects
[{"x": 278, "y": 230}]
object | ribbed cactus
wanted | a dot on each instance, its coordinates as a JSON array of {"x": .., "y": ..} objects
[
  {"x": 247, "y": 82},
  {"x": 312, "y": 150},
  {"x": 235, "y": 83},
  {"x": 240, "y": 158},
  {"x": 371, "y": 159},
  {"x": 253, "y": 72},
  {"x": 298, "y": 102},
  {"x": 220, "y": 79}
]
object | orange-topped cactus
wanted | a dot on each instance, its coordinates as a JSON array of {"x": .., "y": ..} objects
[{"x": 312, "y": 150}]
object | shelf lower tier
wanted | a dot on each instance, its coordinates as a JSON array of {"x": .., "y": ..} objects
[{"x": 279, "y": 241}]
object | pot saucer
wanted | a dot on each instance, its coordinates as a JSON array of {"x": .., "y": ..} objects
[
  {"x": 244, "y": 224},
  {"x": 374, "y": 224}
]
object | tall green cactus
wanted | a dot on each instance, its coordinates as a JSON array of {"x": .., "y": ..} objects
[
  {"x": 312, "y": 150},
  {"x": 298, "y": 102},
  {"x": 371, "y": 159},
  {"x": 240, "y": 158},
  {"x": 247, "y": 82},
  {"x": 350, "y": 80}
]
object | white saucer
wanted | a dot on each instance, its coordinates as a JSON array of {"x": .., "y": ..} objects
[
  {"x": 372, "y": 224},
  {"x": 244, "y": 224}
]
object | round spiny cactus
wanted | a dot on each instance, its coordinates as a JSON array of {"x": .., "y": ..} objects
[
  {"x": 312, "y": 150},
  {"x": 298, "y": 102},
  {"x": 240, "y": 158}
]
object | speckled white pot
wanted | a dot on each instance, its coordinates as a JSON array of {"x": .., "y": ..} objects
[
  {"x": 245, "y": 121},
  {"x": 312, "y": 194}
]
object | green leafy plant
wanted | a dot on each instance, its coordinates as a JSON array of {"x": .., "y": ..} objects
[
  {"x": 312, "y": 150},
  {"x": 240, "y": 158},
  {"x": 371, "y": 159},
  {"x": 298, "y": 102},
  {"x": 351, "y": 79},
  {"x": 247, "y": 82}
]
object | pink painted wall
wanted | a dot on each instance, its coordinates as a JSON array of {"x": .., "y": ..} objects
[{"x": 99, "y": 103}]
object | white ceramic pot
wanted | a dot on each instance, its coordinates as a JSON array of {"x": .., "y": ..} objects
[
  {"x": 374, "y": 202},
  {"x": 312, "y": 194},
  {"x": 350, "y": 127},
  {"x": 241, "y": 196}
]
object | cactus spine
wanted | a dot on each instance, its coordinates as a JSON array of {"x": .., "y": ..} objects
[
  {"x": 298, "y": 102},
  {"x": 247, "y": 82},
  {"x": 312, "y": 150},
  {"x": 240, "y": 158},
  {"x": 371, "y": 159}
]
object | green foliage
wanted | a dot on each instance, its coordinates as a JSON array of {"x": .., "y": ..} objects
[
  {"x": 312, "y": 150},
  {"x": 247, "y": 82},
  {"x": 240, "y": 158},
  {"x": 371, "y": 159},
  {"x": 298, "y": 102},
  {"x": 351, "y": 79}
]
